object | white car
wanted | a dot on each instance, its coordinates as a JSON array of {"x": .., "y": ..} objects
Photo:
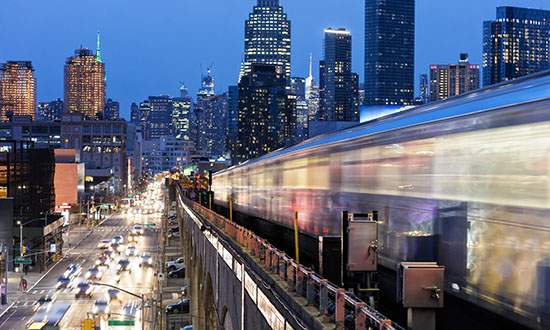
[
  {"x": 138, "y": 230},
  {"x": 104, "y": 244},
  {"x": 175, "y": 264},
  {"x": 118, "y": 239},
  {"x": 131, "y": 251},
  {"x": 101, "y": 306}
]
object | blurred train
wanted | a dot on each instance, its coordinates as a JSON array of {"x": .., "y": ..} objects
[{"x": 464, "y": 182}]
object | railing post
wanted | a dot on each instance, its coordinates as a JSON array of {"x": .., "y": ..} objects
[
  {"x": 310, "y": 290},
  {"x": 300, "y": 275},
  {"x": 282, "y": 266},
  {"x": 268, "y": 252},
  {"x": 275, "y": 262},
  {"x": 360, "y": 316},
  {"x": 323, "y": 297},
  {"x": 340, "y": 314},
  {"x": 291, "y": 276}
]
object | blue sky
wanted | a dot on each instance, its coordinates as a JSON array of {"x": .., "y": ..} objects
[{"x": 150, "y": 46}]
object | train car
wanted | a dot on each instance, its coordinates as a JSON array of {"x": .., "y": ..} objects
[{"x": 464, "y": 182}]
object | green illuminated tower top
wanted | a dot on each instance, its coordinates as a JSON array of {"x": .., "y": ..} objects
[{"x": 98, "y": 49}]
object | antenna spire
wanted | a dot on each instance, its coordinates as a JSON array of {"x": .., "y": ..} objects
[
  {"x": 98, "y": 55},
  {"x": 310, "y": 64}
]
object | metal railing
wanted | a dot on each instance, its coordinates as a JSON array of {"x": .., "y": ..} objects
[{"x": 334, "y": 304}]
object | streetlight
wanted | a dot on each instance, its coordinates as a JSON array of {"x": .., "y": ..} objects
[{"x": 142, "y": 298}]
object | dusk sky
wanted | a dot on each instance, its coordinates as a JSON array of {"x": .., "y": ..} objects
[{"x": 150, "y": 46}]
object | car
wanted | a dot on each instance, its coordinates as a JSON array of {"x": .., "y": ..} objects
[
  {"x": 138, "y": 229},
  {"x": 41, "y": 302},
  {"x": 175, "y": 264},
  {"x": 177, "y": 308},
  {"x": 123, "y": 265},
  {"x": 63, "y": 282},
  {"x": 83, "y": 289},
  {"x": 103, "y": 244},
  {"x": 101, "y": 306},
  {"x": 173, "y": 222},
  {"x": 131, "y": 251},
  {"x": 103, "y": 261},
  {"x": 132, "y": 238},
  {"x": 114, "y": 295},
  {"x": 118, "y": 239},
  {"x": 115, "y": 247},
  {"x": 73, "y": 271},
  {"x": 174, "y": 235},
  {"x": 178, "y": 273},
  {"x": 145, "y": 260},
  {"x": 174, "y": 229},
  {"x": 189, "y": 327},
  {"x": 108, "y": 254},
  {"x": 94, "y": 274}
]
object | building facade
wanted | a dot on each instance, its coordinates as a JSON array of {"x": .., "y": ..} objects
[
  {"x": 17, "y": 90},
  {"x": 112, "y": 110},
  {"x": 266, "y": 116},
  {"x": 453, "y": 79},
  {"x": 515, "y": 44},
  {"x": 424, "y": 89},
  {"x": 312, "y": 93},
  {"x": 389, "y": 52},
  {"x": 50, "y": 111},
  {"x": 267, "y": 37},
  {"x": 156, "y": 117},
  {"x": 159, "y": 155},
  {"x": 84, "y": 88},
  {"x": 338, "y": 86}
]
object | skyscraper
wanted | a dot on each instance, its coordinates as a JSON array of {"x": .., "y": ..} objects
[
  {"x": 267, "y": 37},
  {"x": 424, "y": 91},
  {"x": 156, "y": 116},
  {"x": 50, "y": 111},
  {"x": 211, "y": 119},
  {"x": 135, "y": 114},
  {"x": 338, "y": 87},
  {"x": 84, "y": 84},
  {"x": 182, "y": 115},
  {"x": 232, "y": 117},
  {"x": 112, "y": 110},
  {"x": 515, "y": 44},
  {"x": 312, "y": 93},
  {"x": 453, "y": 79},
  {"x": 17, "y": 89},
  {"x": 266, "y": 117},
  {"x": 389, "y": 52}
]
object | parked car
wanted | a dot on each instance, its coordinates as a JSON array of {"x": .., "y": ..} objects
[
  {"x": 177, "y": 308},
  {"x": 175, "y": 264},
  {"x": 174, "y": 235},
  {"x": 174, "y": 229},
  {"x": 178, "y": 273}
]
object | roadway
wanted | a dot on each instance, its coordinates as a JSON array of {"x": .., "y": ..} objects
[{"x": 138, "y": 280}]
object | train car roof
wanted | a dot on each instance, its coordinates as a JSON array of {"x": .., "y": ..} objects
[{"x": 521, "y": 90}]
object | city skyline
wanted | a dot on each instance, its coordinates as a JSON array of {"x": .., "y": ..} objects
[{"x": 132, "y": 80}]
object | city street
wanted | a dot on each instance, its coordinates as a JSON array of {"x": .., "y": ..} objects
[{"x": 137, "y": 280}]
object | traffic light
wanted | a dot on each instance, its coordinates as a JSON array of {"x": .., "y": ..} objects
[
  {"x": 24, "y": 250},
  {"x": 87, "y": 324}
]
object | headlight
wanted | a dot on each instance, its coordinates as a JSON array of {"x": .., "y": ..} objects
[
  {"x": 150, "y": 261},
  {"x": 88, "y": 274},
  {"x": 89, "y": 291},
  {"x": 97, "y": 262}
]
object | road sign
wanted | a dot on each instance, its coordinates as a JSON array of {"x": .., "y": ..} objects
[
  {"x": 52, "y": 248},
  {"x": 121, "y": 323},
  {"x": 23, "y": 261},
  {"x": 150, "y": 224}
]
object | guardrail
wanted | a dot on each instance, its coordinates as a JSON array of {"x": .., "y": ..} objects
[{"x": 334, "y": 304}]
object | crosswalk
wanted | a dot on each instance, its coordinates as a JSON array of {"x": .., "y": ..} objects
[{"x": 113, "y": 228}]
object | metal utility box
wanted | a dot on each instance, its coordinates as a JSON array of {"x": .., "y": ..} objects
[
  {"x": 420, "y": 284},
  {"x": 362, "y": 243}
]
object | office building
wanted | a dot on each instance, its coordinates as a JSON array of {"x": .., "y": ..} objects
[
  {"x": 163, "y": 154},
  {"x": 515, "y": 44},
  {"x": 211, "y": 119},
  {"x": 424, "y": 89},
  {"x": 112, "y": 110},
  {"x": 50, "y": 111},
  {"x": 183, "y": 118},
  {"x": 84, "y": 88},
  {"x": 389, "y": 52},
  {"x": 266, "y": 117},
  {"x": 156, "y": 117},
  {"x": 232, "y": 117},
  {"x": 312, "y": 93},
  {"x": 135, "y": 116},
  {"x": 453, "y": 79},
  {"x": 267, "y": 37},
  {"x": 338, "y": 86},
  {"x": 17, "y": 89}
]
